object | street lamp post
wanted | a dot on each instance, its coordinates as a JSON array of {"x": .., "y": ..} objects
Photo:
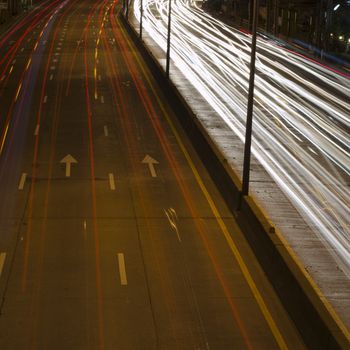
[
  {"x": 141, "y": 16},
  {"x": 127, "y": 9},
  {"x": 168, "y": 42},
  {"x": 249, "y": 121}
]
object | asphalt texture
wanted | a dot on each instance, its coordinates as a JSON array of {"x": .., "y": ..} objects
[{"x": 112, "y": 235}]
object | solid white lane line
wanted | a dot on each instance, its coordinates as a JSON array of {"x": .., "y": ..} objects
[
  {"x": 111, "y": 181},
  {"x": 45, "y": 99},
  {"x": 105, "y": 129},
  {"x": 36, "y": 132},
  {"x": 2, "y": 261},
  {"x": 122, "y": 272},
  {"x": 22, "y": 181}
]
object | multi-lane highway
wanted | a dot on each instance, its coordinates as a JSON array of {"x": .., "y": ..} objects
[
  {"x": 301, "y": 117},
  {"x": 112, "y": 235}
]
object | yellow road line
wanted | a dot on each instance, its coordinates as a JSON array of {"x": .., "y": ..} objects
[
  {"x": 4, "y": 138},
  {"x": 266, "y": 313},
  {"x": 29, "y": 62},
  {"x": 18, "y": 91}
]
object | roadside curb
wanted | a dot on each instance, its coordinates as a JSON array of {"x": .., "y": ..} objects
[{"x": 316, "y": 320}]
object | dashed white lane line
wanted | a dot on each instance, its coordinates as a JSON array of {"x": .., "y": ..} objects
[
  {"x": 22, "y": 181},
  {"x": 85, "y": 232},
  {"x": 22, "y": 49},
  {"x": 122, "y": 271},
  {"x": 105, "y": 129},
  {"x": 36, "y": 132},
  {"x": 2, "y": 261},
  {"x": 99, "y": 78},
  {"x": 51, "y": 76},
  {"x": 45, "y": 99},
  {"x": 102, "y": 99},
  {"x": 111, "y": 181}
]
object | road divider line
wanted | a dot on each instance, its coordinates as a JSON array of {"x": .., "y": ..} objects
[
  {"x": 105, "y": 129},
  {"x": 122, "y": 271},
  {"x": 36, "y": 132},
  {"x": 4, "y": 138},
  {"x": 28, "y": 63},
  {"x": 2, "y": 261},
  {"x": 22, "y": 181},
  {"x": 111, "y": 182},
  {"x": 18, "y": 91}
]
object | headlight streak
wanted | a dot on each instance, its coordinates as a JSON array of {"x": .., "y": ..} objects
[{"x": 291, "y": 112}]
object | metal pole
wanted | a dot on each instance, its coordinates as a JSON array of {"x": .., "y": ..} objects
[
  {"x": 141, "y": 16},
  {"x": 168, "y": 42},
  {"x": 249, "y": 122}
]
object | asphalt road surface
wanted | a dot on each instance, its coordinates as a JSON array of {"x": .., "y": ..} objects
[{"x": 112, "y": 235}]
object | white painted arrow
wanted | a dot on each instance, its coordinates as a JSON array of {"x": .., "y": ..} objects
[
  {"x": 150, "y": 161},
  {"x": 68, "y": 159}
]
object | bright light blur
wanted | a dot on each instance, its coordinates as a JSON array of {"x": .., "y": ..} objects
[{"x": 301, "y": 126}]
